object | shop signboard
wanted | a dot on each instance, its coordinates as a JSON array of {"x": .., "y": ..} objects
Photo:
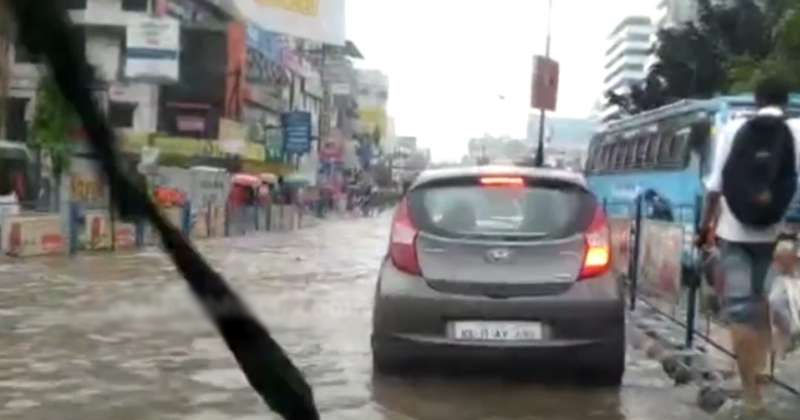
[
  {"x": 296, "y": 132},
  {"x": 152, "y": 49},
  {"x": 544, "y": 89},
  {"x": 274, "y": 144}
]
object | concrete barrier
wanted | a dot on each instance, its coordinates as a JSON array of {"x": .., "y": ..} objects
[
  {"x": 124, "y": 236},
  {"x": 200, "y": 224},
  {"x": 96, "y": 235},
  {"x": 35, "y": 235}
]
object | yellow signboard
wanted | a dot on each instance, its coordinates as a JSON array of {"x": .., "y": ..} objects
[
  {"x": 371, "y": 119},
  {"x": 231, "y": 130},
  {"x": 304, "y": 7},
  {"x": 189, "y": 147}
]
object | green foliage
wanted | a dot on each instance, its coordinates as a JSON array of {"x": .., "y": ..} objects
[
  {"x": 53, "y": 123},
  {"x": 783, "y": 60},
  {"x": 727, "y": 50}
]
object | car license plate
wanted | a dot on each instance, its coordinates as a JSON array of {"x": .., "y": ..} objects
[{"x": 496, "y": 331}]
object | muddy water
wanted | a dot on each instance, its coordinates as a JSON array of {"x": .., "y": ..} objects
[{"x": 117, "y": 337}]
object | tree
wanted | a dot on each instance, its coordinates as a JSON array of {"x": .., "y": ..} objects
[
  {"x": 54, "y": 121},
  {"x": 783, "y": 60},
  {"x": 725, "y": 50}
]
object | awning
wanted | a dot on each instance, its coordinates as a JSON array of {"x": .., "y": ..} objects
[
  {"x": 246, "y": 180},
  {"x": 269, "y": 178},
  {"x": 17, "y": 151},
  {"x": 296, "y": 180}
]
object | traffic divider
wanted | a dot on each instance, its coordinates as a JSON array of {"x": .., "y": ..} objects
[{"x": 33, "y": 235}]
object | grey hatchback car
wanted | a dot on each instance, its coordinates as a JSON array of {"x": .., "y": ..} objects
[{"x": 500, "y": 264}]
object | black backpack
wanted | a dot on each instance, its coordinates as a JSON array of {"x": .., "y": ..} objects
[{"x": 760, "y": 177}]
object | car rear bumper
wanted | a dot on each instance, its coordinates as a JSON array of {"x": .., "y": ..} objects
[
  {"x": 400, "y": 350},
  {"x": 410, "y": 321},
  {"x": 406, "y": 305}
]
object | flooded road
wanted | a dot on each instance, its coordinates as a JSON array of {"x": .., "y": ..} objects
[{"x": 117, "y": 337}]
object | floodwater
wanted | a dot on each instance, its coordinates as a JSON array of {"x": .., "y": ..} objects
[{"x": 118, "y": 337}]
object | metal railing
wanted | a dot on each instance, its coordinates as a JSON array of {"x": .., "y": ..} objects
[{"x": 687, "y": 216}]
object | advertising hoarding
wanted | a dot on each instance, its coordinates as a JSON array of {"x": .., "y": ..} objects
[
  {"x": 153, "y": 45},
  {"x": 317, "y": 20}
]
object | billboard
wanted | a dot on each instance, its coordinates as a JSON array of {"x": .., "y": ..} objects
[
  {"x": 544, "y": 89},
  {"x": 316, "y": 20},
  {"x": 152, "y": 49},
  {"x": 372, "y": 120},
  {"x": 296, "y": 132}
]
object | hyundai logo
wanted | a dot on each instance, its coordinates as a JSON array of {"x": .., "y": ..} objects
[{"x": 499, "y": 255}]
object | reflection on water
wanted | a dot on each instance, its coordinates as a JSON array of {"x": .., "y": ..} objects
[{"x": 117, "y": 337}]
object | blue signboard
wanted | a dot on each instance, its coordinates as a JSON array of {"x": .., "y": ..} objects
[{"x": 296, "y": 132}]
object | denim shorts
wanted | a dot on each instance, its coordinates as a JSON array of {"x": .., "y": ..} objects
[{"x": 746, "y": 270}]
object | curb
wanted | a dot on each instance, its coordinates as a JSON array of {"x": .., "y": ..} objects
[{"x": 662, "y": 341}]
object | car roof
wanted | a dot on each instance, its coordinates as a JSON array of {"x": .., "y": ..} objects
[{"x": 434, "y": 175}]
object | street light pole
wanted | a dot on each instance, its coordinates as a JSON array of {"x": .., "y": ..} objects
[{"x": 542, "y": 112}]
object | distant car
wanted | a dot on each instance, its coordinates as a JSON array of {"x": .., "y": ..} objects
[{"x": 495, "y": 264}]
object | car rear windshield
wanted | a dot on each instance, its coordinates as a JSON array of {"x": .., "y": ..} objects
[{"x": 535, "y": 210}]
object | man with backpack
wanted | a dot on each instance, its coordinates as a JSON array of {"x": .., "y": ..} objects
[{"x": 752, "y": 181}]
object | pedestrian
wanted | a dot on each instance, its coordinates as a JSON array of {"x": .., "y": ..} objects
[
  {"x": 9, "y": 203},
  {"x": 784, "y": 299},
  {"x": 752, "y": 180}
]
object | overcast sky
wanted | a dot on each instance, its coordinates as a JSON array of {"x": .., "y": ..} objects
[{"x": 449, "y": 62}]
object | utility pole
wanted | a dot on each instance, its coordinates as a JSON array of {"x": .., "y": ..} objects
[{"x": 542, "y": 113}]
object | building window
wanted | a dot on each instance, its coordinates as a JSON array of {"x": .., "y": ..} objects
[
  {"x": 121, "y": 114},
  {"x": 80, "y": 38},
  {"x": 23, "y": 56},
  {"x": 75, "y": 4},
  {"x": 134, "y": 5},
  {"x": 652, "y": 150},
  {"x": 16, "y": 126}
]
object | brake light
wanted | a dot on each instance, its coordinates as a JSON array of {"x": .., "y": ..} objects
[
  {"x": 502, "y": 181},
  {"x": 597, "y": 257},
  {"x": 403, "y": 242}
]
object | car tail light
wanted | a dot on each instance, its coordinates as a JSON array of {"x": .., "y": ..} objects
[
  {"x": 597, "y": 258},
  {"x": 403, "y": 242},
  {"x": 502, "y": 181}
]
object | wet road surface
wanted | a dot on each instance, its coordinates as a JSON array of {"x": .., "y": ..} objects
[{"x": 117, "y": 337}]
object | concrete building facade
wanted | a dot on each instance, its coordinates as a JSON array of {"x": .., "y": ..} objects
[
  {"x": 372, "y": 98},
  {"x": 102, "y": 26}
]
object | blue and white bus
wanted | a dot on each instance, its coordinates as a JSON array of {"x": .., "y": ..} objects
[{"x": 665, "y": 154}]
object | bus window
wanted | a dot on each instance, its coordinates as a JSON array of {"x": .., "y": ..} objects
[
  {"x": 630, "y": 161},
  {"x": 619, "y": 156},
  {"x": 700, "y": 140},
  {"x": 665, "y": 147},
  {"x": 608, "y": 157},
  {"x": 641, "y": 151},
  {"x": 601, "y": 159},
  {"x": 673, "y": 149},
  {"x": 652, "y": 149}
]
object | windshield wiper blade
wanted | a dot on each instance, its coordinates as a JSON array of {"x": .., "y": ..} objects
[{"x": 45, "y": 29}]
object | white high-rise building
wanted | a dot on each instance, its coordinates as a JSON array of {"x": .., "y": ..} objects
[
  {"x": 671, "y": 13},
  {"x": 627, "y": 56}
]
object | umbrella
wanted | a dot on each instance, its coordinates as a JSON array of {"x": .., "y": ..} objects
[{"x": 246, "y": 180}]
